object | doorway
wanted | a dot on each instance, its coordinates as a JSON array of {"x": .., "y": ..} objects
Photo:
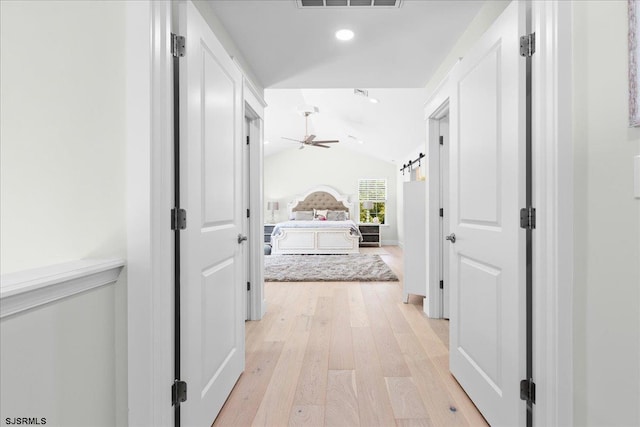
[
  {"x": 252, "y": 202},
  {"x": 443, "y": 214}
]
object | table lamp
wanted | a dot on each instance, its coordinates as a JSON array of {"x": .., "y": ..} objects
[
  {"x": 273, "y": 206},
  {"x": 367, "y": 205}
]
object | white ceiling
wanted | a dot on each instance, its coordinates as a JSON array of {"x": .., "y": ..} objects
[
  {"x": 291, "y": 47},
  {"x": 290, "y": 50},
  {"x": 393, "y": 127}
]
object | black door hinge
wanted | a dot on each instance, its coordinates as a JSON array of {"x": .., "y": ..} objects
[
  {"x": 178, "y": 219},
  {"x": 248, "y": 286},
  {"x": 528, "y": 218},
  {"x": 441, "y": 140},
  {"x": 528, "y": 45},
  {"x": 178, "y": 392},
  {"x": 178, "y": 45},
  {"x": 441, "y": 284},
  {"x": 247, "y": 139},
  {"x": 528, "y": 390},
  {"x": 248, "y": 213},
  {"x": 442, "y": 212}
]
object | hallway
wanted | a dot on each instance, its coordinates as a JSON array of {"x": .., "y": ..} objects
[{"x": 347, "y": 354}]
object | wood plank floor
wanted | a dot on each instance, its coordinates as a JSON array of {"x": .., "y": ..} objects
[{"x": 347, "y": 354}]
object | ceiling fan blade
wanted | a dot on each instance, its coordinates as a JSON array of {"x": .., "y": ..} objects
[
  {"x": 320, "y": 145},
  {"x": 291, "y": 139},
  {"x": 309, "y": 139},
  {"x": 332, "y": 141}
]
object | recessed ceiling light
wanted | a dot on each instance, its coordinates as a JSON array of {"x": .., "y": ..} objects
[
  {"x": 374, "y": 100},
  {"x": 344, "y": 35},
  {"x": 266, "y": 142}
]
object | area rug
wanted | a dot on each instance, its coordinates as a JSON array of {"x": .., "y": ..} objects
[{"x": 327, "y": 268}]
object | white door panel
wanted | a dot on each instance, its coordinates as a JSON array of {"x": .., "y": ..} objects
[
  {"x": 212, "y": 285},
  {"x": 487, "y": 269}
]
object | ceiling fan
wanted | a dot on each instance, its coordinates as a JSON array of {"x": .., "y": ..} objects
[{"x": 310, "y": 139}]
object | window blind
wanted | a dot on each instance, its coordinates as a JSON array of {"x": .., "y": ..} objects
[{"x": 374, "y": 190}]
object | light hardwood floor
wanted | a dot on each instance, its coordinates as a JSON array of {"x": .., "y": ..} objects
[{"x": 347, "y": 354}]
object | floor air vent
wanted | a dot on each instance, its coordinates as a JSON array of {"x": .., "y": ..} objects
[{"x": 348, "y": 3}]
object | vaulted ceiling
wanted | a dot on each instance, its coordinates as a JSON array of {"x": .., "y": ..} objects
[
  {"x": 391, "y": 128},
  {"x": 295, "y": 55}
]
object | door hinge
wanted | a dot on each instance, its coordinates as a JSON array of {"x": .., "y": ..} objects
[
  {"x": 248, "y": 213},
  {"x": 178, "y": 392},
  {"x": 441, "y": 140},
  {"x": 178, "y": 219},
  {"x": 248, "y": 286},
  {"x": 442, "y": 212},
  {"x": 178, "y": 46},
  {"x": 248, "y": 139},
  {"x": 528, "y": 390},
  {"x": 441, "y": 284},
  {"x": 528, "y": 218},
  {"x": 528, "y": 45}
]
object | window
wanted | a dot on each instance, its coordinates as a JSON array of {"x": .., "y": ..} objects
[{"x": 372, "y": 194}]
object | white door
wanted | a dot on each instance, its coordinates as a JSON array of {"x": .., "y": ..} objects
[
  {"x": 487, "y": 271},
  {"x": 212, "y": 291},
  {"x": 443, "y": 125}
]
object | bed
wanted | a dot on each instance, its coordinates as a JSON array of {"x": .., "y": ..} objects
[{"x": 321, "y": 223}]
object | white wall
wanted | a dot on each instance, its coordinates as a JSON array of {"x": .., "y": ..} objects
[
  {"x": 291, "y": 172},
  {"x": 607, "y": 222},
  {"x": 62, "y": 197}
]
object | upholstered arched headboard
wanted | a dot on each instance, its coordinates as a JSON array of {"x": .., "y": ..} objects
[{"x": 322, "y": 197}]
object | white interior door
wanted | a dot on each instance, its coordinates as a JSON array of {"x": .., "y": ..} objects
[
  {"x": 487, "y": 117},
  {"x": 213, "y": 288}
]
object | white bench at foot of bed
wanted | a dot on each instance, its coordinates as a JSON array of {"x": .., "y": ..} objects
[{"x": 315, "y": 241}]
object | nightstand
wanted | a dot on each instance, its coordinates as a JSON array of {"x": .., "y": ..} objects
[
  {"x": 268, "y": 229},
  {"x": 370, "y": 235}
]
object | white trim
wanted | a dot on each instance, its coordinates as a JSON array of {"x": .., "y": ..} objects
[
  {"x": 28, "y": 289},
  {"x": 553, "y": 200},
  {"x": 254, "y": 109},
  {"x": 439, "y": 96},
  {"x": 252, "y": 95},
  {"x": 435, "y": 109},
  {"x": 149, "y": 200}
]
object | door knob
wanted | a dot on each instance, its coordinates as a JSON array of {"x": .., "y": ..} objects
[
  {"x": 451, "y": 237},
  {"x": 241, "y": 238}
]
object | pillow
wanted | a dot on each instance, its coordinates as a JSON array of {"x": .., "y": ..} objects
[
  {"x": 337, "y": 215},
  {"x": 318, "y": 213},
  {"x": 303, "y": 215}
]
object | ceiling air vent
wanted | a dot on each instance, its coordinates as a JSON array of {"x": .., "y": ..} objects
[{"x": 349, "y": 3}]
